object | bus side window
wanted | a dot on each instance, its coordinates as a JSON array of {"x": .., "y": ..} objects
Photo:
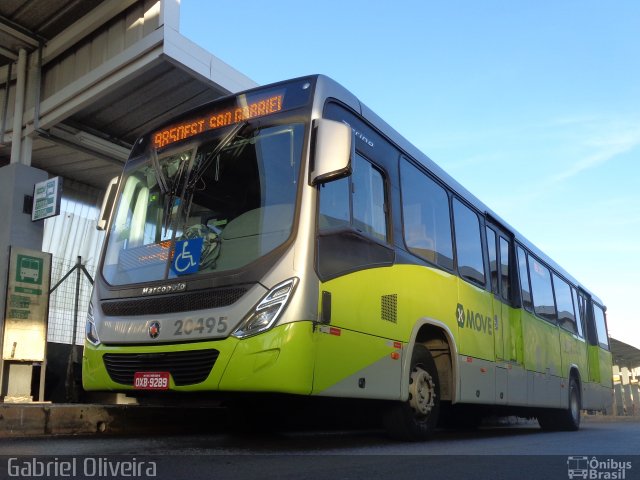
[
  {"x": 543, "y": 302},
  {"x": 493, "y": 259},
  {"x": 601, "y": 326},
  {"x": 468, "y": 243},
  {"x": 578, "y": 303},
  {"x": 564, "y": 302},
  {"x": 587, "y": 314},
  {"x": 505, "y": 275},
  {"x": 426, "y": 217},
  {"x": 368, "y": 199},
  {"x": 525, "y": 287},
  {"x": 357, "y": 201},
  {"x": 334, "y": 204}
]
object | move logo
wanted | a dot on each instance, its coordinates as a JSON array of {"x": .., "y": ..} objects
[{"x": 473, "y": 320}]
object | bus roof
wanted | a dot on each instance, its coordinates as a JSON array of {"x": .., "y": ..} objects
[
  {"x": 326, "y": 87},
  {"x": 335, "y": 90}
]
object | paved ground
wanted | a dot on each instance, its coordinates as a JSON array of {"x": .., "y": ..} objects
[{"x": 520, "y": 451}]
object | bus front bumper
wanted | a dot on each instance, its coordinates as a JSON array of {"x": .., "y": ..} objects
[{"x": 279, "y": 360}]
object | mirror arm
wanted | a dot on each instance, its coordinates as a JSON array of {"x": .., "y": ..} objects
[{"x": 108, "y": 203}]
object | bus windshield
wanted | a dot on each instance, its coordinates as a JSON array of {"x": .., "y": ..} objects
[{"x": 206, "y": 205}]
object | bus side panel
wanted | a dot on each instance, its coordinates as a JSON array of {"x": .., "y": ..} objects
[
  {"x": 541, "y": 345},
  {"x": 606, "y": 368},
  {"x": 477, "y": 383},
  {"x": 574, "y": 352},
  {"x": 542, "y": 361},
  {"x": 373, "y": 312},
  {"x": 353, "y": 364},
  {"x": 475, "y": 322},
  {"x": 598, "y": 392},
  {"x": 594, "y": 364},
  {"x": 515, "y": 349},
  {"x": 514, "y": 357}
]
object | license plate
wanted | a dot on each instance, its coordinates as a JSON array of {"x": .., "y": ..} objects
[{"x": 151, "y": 381}]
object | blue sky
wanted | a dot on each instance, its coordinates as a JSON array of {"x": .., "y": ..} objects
[{"x": 534, "y": 106}]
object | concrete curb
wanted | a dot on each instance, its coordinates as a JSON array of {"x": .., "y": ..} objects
[
  {"x": 17, "y": 420},
  {"x": 40, "y": 419}
]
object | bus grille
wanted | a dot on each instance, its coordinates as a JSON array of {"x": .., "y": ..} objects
[
  {"x": 181, "y": 302},
  {"x": 186, "y": 368}
]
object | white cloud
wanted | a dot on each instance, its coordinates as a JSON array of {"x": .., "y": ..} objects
[{"x": 604, "y": 140}]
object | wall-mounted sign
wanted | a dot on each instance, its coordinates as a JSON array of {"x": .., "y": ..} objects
[
  {"x": 25, "y": 320},
  {"x": 46, "y": 199}
]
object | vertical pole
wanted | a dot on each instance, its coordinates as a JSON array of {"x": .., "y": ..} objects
[
  {"x": 21, "y": 81},
  {"x": 70, "y": 383},
  {"x": 36, "y": 108},
  {"x": 43, "y": 378},
  {"x": 77, "y": 301},
  {"x": 5, "y": 105}
]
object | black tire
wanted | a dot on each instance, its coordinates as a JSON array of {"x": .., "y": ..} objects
[
  {"x": 566, "y": 419},
  {"x": 416, "y": 419}
]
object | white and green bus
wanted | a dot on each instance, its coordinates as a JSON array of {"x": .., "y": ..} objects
[{"x": 287, "y": 240}]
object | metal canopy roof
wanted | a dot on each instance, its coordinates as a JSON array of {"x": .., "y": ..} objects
[
  {"x": 624, "y": 355},
  {"x": 26, "y": 23},
  {"x": 88, "y": 142},
  {"x": 119, "y": 117}
]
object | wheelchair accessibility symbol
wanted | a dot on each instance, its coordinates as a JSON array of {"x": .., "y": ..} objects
[{"x": 186, "y": 258}]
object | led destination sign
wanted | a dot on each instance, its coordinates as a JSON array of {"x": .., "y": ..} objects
[{"x": 218, "y": 119}]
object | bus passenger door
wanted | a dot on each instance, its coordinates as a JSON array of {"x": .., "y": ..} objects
[
  {"x": 492, "y": 248},
  {"x": 510, "y": 317},
  {"x": 505, "y": 320},
  {"x": 598, "y": 394},
  {"x": 499, "y": 247},
  {"x": 586, "y": 313}
]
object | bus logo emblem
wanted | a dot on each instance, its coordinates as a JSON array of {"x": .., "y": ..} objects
[
  {"x": 176, "y": 287},
  {"x": 460, "y": 315},
  {"x": 154, "y": 329}
]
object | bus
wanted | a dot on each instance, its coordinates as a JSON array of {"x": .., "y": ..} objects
[{"x": 286, "y": 240}]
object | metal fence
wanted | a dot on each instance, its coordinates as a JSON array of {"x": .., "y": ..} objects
[
  {"x": 70, "y": 294},
  {"x": 68, "y": 303}
]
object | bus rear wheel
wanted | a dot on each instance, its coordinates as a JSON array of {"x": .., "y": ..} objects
[
  {"x": 567, "y": 419},
  {"x": 416, "y": 419}
]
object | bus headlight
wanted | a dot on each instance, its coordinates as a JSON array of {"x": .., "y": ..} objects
[
  {"x": 267, "y": 311},
  {"x": 91, "y": 332}
]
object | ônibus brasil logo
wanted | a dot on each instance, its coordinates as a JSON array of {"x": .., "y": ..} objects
[{"x": 594, "y": 468}]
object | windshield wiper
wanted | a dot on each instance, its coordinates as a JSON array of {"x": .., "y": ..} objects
[
  {"x": 180, "y": 180},
  {"x": 187, "y": 176},
  {"x": 199, "y": 170},
  {"x": 160, "y": 176}
]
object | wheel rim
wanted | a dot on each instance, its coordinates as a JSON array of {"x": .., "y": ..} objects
[{"x": 422, "y": 391}]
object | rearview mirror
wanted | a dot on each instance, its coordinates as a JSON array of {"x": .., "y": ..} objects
[
  {"x": 107, "y": 204},
  {"x": 332, "y": 151}
]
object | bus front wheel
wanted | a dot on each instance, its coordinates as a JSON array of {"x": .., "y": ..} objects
[{"x": 416, "y": 419}]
